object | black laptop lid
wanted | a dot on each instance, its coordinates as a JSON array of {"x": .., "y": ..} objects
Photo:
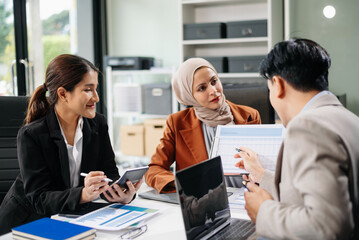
[{"x": 203, "y": 197}]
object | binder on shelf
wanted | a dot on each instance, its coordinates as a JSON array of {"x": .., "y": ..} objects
[{"x": 47, "y": 228}]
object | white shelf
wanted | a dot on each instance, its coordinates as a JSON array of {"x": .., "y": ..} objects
[
  {"x": 226, "y": 41},
  {"x": 116, "y": 118},
  {"x": 142, "y": 72},
  {"x": 239, "y": 75},
  {"x": 216, "y": 2},
  {"x": 137, "y": 114},
  {"x": 207, "y": 11}
]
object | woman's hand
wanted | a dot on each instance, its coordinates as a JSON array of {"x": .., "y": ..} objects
[
  {"x": 94, "y": 185},
  {"x": 121, "y": 195},
  {"x": 250, "y": 162}
]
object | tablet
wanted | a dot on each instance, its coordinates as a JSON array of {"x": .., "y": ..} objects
[
  {"x": 164, "y": 197},
  {"x": 133, "y": 174}
]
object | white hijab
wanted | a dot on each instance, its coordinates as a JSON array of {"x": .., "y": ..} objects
[{"x": 182, "y": 82}]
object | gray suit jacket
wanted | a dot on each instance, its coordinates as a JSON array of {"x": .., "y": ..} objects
[{"x": 310, "y": 185}]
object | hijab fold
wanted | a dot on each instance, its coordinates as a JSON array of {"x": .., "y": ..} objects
[{"x": 182, "y": 82}]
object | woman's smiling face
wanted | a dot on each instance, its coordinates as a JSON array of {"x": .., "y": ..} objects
[{"x": 82, "y": 100}]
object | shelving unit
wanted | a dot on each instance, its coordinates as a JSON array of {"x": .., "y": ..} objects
[
  {"x": 117, "y": 118},
  {"x": 206, "y": 11}
]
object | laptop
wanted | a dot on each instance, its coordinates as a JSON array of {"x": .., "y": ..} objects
[{"x": 204, "y": 203}]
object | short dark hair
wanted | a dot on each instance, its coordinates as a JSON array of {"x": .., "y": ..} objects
[{"x": 303, "y": 63}]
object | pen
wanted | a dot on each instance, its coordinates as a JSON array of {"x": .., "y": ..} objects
[
  {"x": 245, "y": 185},
  {"x": 85, "y": 174},
  {"x": 238, "y": 150}
]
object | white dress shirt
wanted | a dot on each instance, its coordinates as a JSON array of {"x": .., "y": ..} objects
[{"x": 74, "y": 152}]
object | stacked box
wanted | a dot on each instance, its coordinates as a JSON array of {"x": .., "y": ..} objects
[
  {"x": 157, "y": 98},
  {"x": 242, "y": 64},
  {"x": 204, "y": 30},
  {"x": 243, "y": 29},
  {"x": 153, "y": 133},
  {"x": 127, "y": 97},
  {"x": 219, "y": 63},
  {"x": 132, "y": 140}
]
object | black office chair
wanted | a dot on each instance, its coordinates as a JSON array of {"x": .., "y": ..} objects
[
  {"x": 12, "y": 115},
  {"x": 253, "y": 95}
]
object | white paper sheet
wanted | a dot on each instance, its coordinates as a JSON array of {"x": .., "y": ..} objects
[
  {"x": 115, "y": 217},
  {"x": 265, "y": 139}
]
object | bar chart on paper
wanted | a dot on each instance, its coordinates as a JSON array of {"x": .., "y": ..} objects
[
  {"x": 115, "y": 216},
  {"x": 264, "y": 139}
]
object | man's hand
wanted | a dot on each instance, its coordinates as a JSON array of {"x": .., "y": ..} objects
[
  {"x": 254, "y": 200},
  {"x": 250, "y": 162}
]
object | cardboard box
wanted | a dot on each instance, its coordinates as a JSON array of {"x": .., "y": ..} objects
[
  {"x": 132, "y": 140},
  {"x": 153, "y": 133}
]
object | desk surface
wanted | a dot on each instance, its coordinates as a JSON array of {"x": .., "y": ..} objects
[{"x": 167, "y": 223}]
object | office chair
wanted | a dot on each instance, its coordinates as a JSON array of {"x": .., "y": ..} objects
[
  {"x": 253, "y": 95},
  {"x": 13, "y": 112}
]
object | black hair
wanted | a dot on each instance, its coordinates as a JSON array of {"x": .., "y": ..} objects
[{"x": 303, "y": 63}]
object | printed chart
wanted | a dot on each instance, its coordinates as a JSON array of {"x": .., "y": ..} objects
[
  {"x": 115, "y": 217},
  {"x": 263, "y": 139}
]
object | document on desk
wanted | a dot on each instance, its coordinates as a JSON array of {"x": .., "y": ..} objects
[
  {"x": 265, "y": 139},
  {"x": 115, "y": 217}
]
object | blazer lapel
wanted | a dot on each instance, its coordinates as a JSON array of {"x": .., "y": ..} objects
[
  {"x": 278, "y": 170},
  {"x": 192, "y": 135},
  {"x": 55, "y": 134}
]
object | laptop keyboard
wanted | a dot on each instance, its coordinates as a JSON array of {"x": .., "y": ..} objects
[{"x": 237, "y": 229}]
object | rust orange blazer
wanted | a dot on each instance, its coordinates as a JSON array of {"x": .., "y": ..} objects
[{"x": 183, "y": 143}]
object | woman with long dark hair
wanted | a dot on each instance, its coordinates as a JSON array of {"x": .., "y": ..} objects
[{"x": 63, "y": 136}]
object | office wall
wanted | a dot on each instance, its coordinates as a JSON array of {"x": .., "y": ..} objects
[
  {"x": 151, "y": 28},
  {"x": 145, "y": 28},
  {"x": 339, "y": 35}
]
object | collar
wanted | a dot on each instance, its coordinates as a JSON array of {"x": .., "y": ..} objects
[
  {"x": 322, "y": 93},
  {"x": 78, "y": 134}
]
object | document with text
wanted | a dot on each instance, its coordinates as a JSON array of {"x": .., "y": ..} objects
[
  {"x": 264, "y": 139},
  {"x": 115, "y": 216}
]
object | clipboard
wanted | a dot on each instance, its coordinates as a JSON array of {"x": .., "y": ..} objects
[{"x": 264, "y": 139}]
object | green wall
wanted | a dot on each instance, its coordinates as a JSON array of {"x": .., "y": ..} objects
[{"x": 339, "y": 36}]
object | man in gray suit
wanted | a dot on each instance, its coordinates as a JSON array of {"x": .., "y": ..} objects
[{"x": 313, "y": 193}]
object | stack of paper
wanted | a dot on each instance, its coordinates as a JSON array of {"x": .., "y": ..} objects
[
  {"x": 115, "y": 217},
  {"x": 46, "y": 228}
]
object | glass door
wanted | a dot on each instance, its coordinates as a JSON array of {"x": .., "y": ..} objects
[
  {"x": 32, "y": 33},
  {"x": 52, "y": 30},
  {"x": 8, "y": 79}
]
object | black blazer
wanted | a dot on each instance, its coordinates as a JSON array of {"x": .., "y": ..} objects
[{"x": 43, "y": 185}]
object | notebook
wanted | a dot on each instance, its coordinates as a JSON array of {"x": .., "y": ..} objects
[
  {"x": 164, "y": 197},
  {"x": 47, "y": 228},
  {"x": 204, "y": 203}
]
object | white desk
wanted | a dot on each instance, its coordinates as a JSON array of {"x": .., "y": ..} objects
[{"x": 167, "y": 224}]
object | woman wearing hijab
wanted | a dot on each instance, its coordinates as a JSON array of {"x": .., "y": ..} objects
[{"x": 188, "y": 135}]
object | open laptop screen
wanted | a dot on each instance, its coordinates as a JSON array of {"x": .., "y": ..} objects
[{"x": 203, "y": 197}]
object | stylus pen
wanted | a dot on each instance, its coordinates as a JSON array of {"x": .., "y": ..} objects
[
  {"x": 238, "y": 150},
  {"x": 245, "y": 185},
  {"x": 106, "y": 179}
]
